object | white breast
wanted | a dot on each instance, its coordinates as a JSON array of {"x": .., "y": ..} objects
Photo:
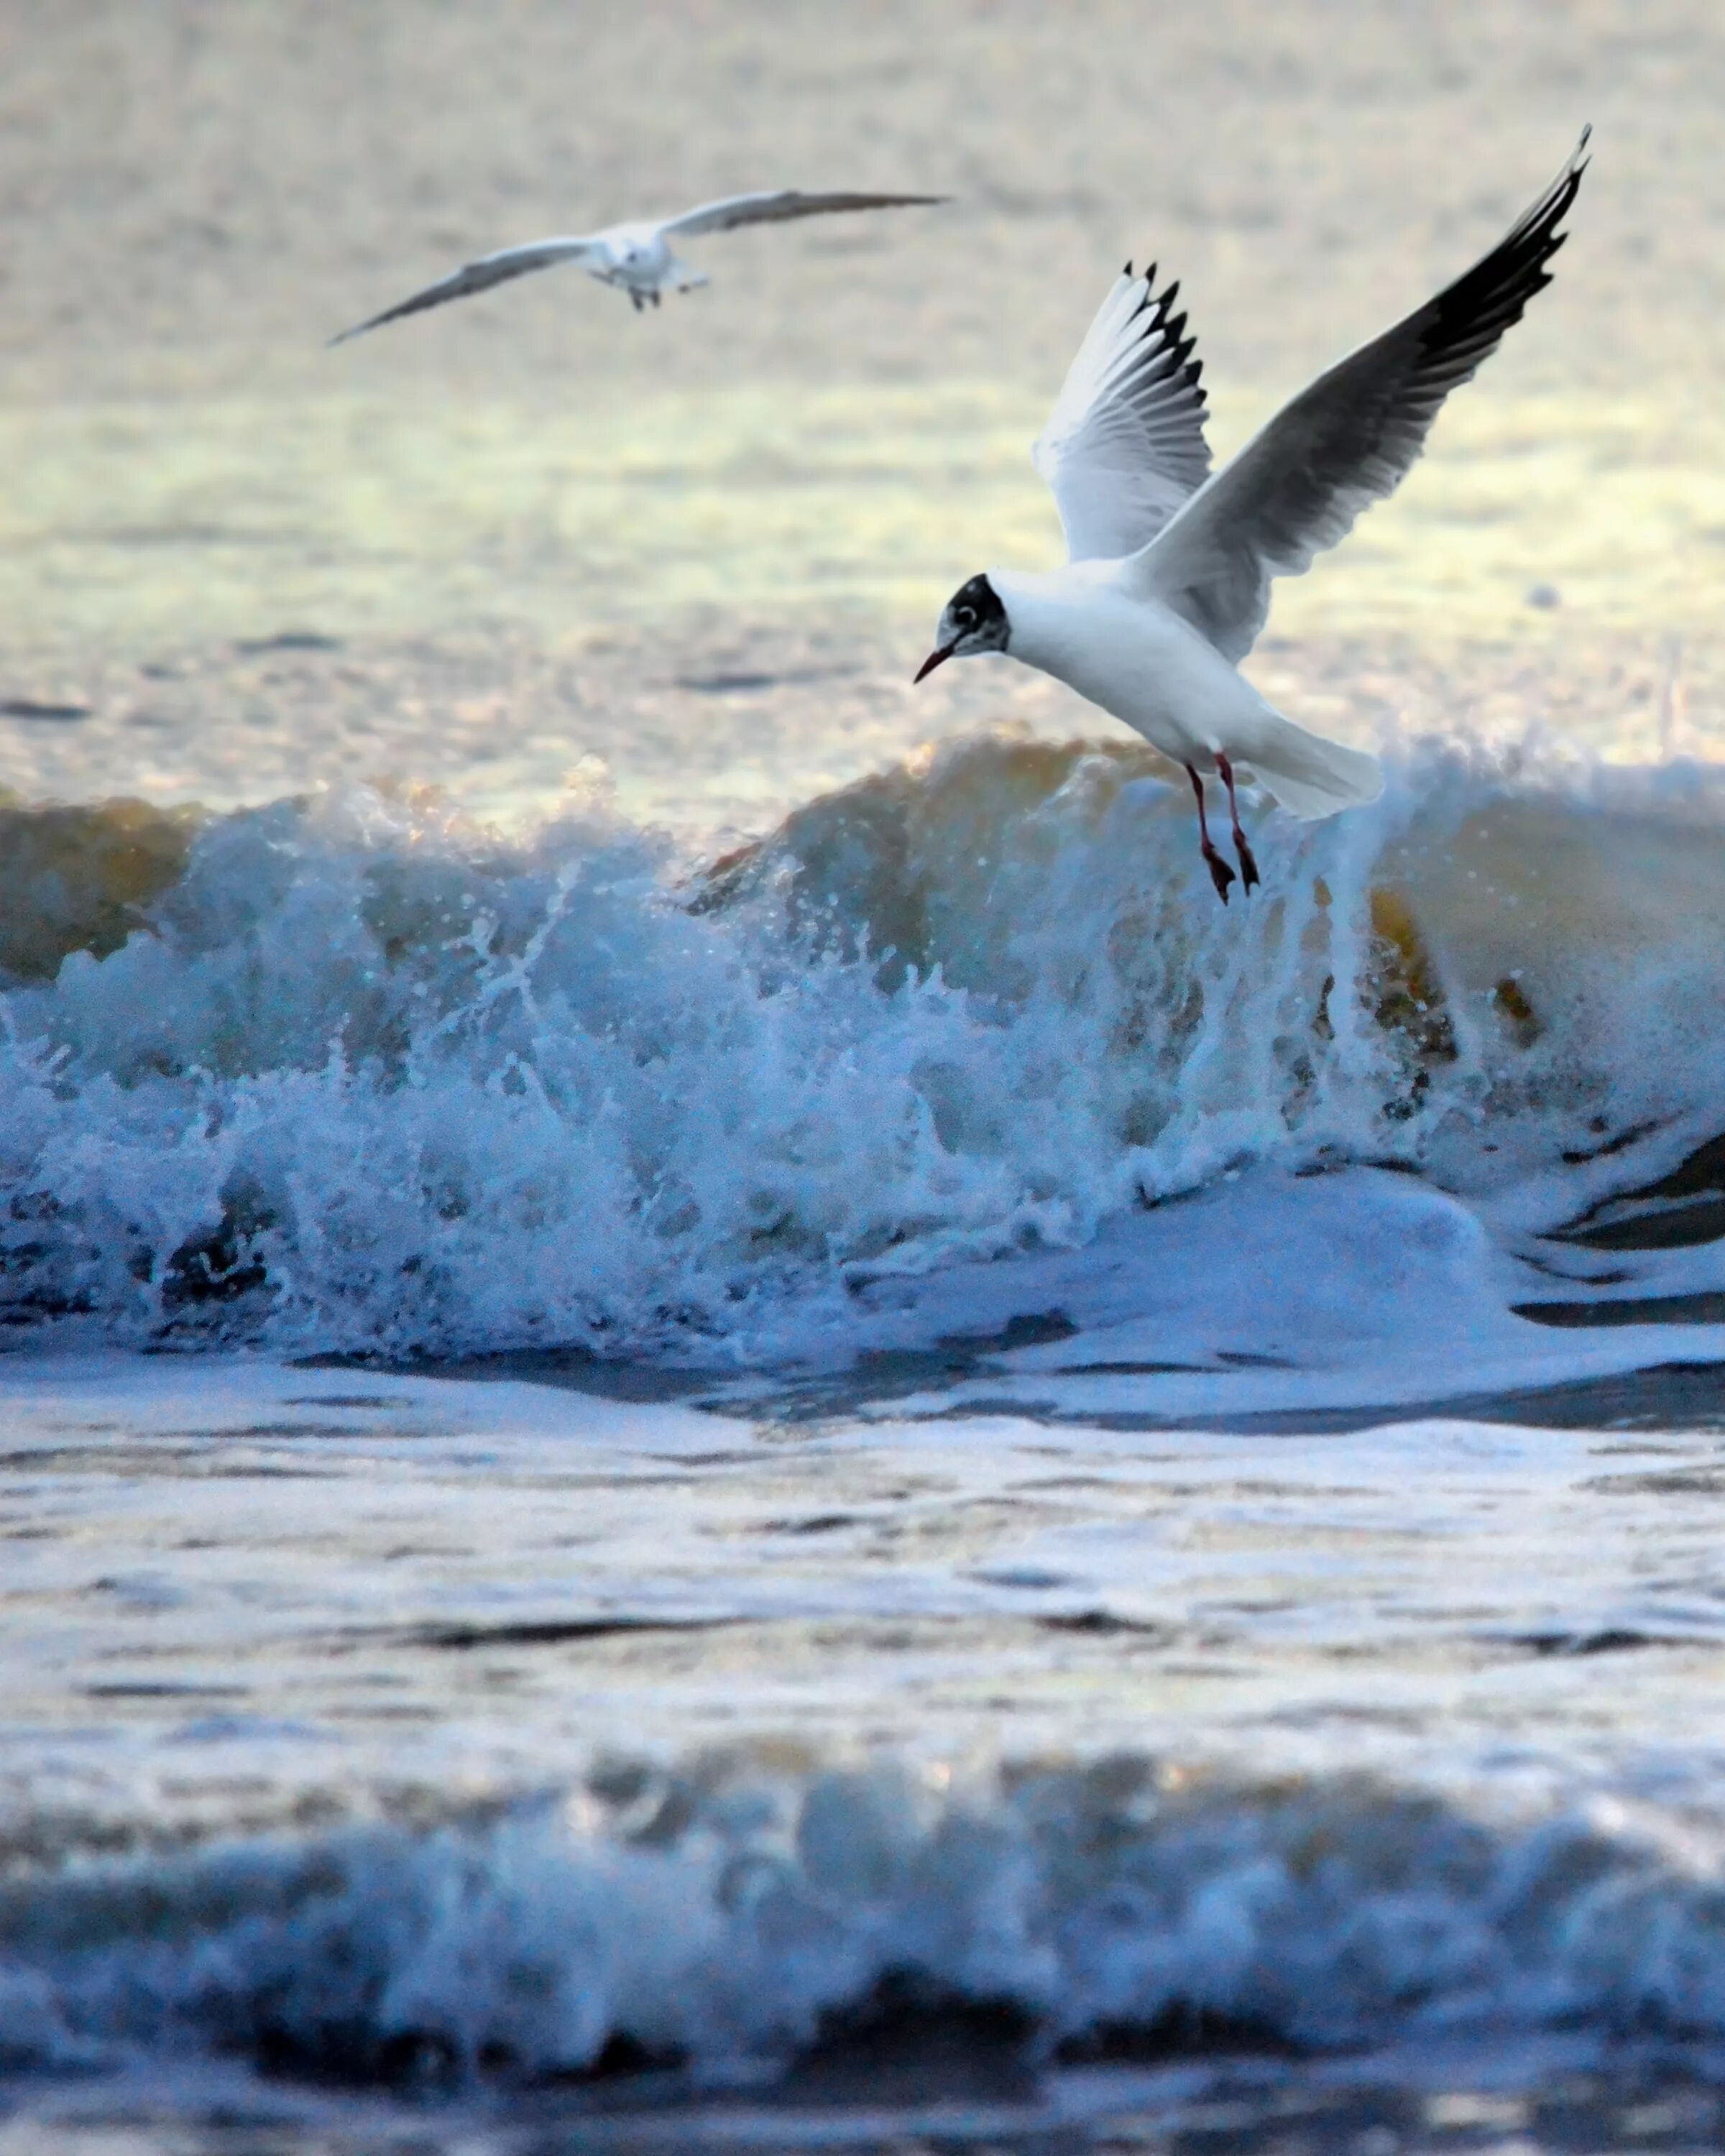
[
  {"x": 1134, "y": 658},
  {"x": 636, "y": 254}
]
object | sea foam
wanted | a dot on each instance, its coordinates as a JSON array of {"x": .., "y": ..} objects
[
  {"x": 364, "y": 1076},
  {"x": 726, "y": 1919}
]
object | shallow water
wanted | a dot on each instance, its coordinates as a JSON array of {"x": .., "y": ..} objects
[
  {"x": 433, "y": 1736},
  {"x": 913, "y": 1457}
]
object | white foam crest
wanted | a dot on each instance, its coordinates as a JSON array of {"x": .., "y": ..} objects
[
  {"x": 722, "y": 1919},
  {"x": 373, "y": 1079}
]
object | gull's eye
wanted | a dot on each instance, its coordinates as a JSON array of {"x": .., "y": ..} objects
[{"x": 965, "y": 619}]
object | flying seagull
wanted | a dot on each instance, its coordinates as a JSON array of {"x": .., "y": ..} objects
[
  {"x": 1169, "y": 570},
  {"x": 636, "y": 258}
]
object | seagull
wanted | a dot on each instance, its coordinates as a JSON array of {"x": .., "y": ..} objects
[
  {"x": 1166, "y": 580},
  {"x": 636, "y": 258}
]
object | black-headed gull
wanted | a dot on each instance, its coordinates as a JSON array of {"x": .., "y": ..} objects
[
  {"x": 636, "y": 258},
  {"x": 1167, "y": 582}
]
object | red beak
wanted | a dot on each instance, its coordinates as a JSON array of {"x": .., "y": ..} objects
[{"x": 934, "y": 658}]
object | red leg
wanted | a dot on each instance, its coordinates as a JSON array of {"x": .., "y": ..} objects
[
  {"x": 1248, "y": 866},
  {"x": 1220, "y": 874}
]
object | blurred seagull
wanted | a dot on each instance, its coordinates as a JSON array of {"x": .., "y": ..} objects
[
  {"x": 636, "y": 257},
  {"x": 1169, "y": 570}
]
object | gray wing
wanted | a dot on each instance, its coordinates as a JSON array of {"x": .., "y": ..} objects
[
  {"x": 479, "y": 276},
  {"x": 775, "y": 208},
  {"x": 1124, "y": 446},
  {"x": 1347, "y": 441}
]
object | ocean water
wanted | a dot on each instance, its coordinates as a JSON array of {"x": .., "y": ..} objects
[
  {"x": 907, "y": 1483},
  {"x": 719, "y": 1425}
]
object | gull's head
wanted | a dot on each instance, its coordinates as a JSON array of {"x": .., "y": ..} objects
[{"x": 974, "y": 621}]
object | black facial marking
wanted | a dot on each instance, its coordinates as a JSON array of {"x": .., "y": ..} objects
[{"x": 974, "y": 605}]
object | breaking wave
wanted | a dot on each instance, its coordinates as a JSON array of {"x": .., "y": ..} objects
[
  {"x": 722, "y": 1918},
  {"x": 349, "y": 1073}
]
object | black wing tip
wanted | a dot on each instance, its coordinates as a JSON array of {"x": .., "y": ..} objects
[
  {"x": 1174, "y": 361},
  {"x": 1560, "y": 196},
  {"x": 797, "y": 202},
  {"x": 1153, "y": 302},
  {"x": 1580, "y": 157},
  {"x": 376, "y": 322},
  {"x": 1468, "y": 319}
]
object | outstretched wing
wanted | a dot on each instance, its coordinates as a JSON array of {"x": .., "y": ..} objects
[
  {"x": 1124, "y": 446},
  {"x": 1347, "y": 441},
  {"x": 777, "y": 207},
  {"x": 479, "y": 276}
]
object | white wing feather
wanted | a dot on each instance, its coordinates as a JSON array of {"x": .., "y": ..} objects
[{"x": 1124, "y": 446}]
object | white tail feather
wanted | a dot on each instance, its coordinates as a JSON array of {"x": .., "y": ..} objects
[{"x": 1306, "y": 774}]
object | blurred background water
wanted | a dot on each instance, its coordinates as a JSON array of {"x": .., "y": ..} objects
[{"x": 705, "y": 549}]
